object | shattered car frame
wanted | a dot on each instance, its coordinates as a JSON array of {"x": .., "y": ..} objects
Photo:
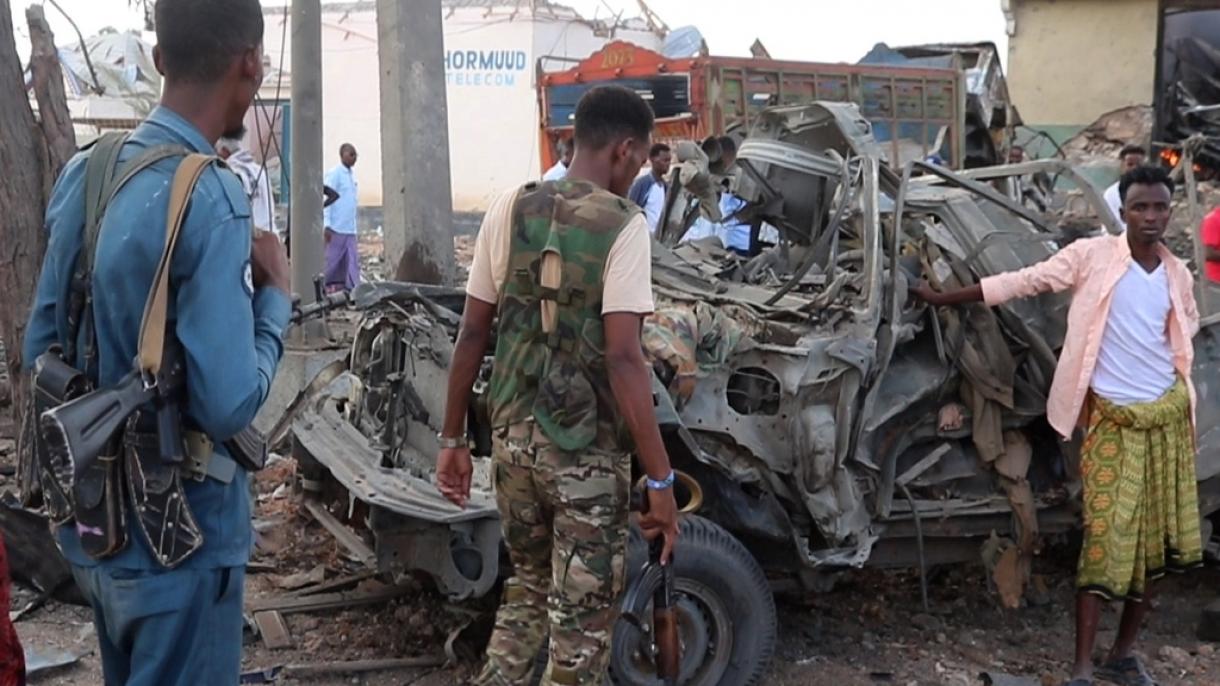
[{"x": 834, "y": 422}]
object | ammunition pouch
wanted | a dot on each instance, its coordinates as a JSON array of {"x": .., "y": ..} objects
[
  {"x": 101, "y": 515},
  {"x": 55, "y": 383},
  {"x": 158, "y": 501}
]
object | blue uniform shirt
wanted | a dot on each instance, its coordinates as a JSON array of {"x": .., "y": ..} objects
[
  {"x": 735, "y": 234},
  {"x": 340, "y": 216},
  {"x": 231, "y": 333}
]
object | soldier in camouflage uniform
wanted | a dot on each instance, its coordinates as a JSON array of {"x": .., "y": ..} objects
[
  {"x": 687, "y": 340},
  {"x": 566, "y": 266}
]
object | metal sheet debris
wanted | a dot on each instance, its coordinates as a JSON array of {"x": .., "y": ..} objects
[
  {"x": 39, "y": 661},
  {"x": 821, "y": 389}
]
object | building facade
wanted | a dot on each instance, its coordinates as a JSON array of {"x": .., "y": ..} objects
[
  {"x": 493, "y": 49},
  {"x": 1069, "y": 61}
]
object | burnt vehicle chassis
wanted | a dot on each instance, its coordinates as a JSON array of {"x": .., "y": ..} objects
[{"x": 842, "y": 425}]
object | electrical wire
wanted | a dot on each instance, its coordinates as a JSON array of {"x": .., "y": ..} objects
[
  {"x": 270, "y": 140},
  {"x": 923, "y": 562}
]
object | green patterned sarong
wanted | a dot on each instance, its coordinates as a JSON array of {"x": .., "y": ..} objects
[{"x": 1141, "y": 504}]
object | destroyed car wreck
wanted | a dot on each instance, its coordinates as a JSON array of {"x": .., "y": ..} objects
[{"x": 832, "y": 422}]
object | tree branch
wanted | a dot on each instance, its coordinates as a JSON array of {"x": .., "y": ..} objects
[
  {"x": 54, "y": 119},
  {"x": 84, "y": 48}
]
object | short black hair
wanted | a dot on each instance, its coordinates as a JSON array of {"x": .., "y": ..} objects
[
  {"x": 199, "y": 39},
  {"x": 728, "y": 146},
  {"x": 1132, "y": 149},
  {"x": 657, "y": 149},
  {"x": 1144, "y": 175},
  {"x": 343, "y": 148},
  {"x": 608, "y": 114},
  {"x": 711, "y": 147}
]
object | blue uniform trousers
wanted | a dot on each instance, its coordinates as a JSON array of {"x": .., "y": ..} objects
[{"x": 178, "y": 627}]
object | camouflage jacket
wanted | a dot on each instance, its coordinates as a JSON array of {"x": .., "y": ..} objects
[{"x": 550, "y": 349}]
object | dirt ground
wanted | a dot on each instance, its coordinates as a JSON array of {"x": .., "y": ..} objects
[{"x": 871, "y": 629}]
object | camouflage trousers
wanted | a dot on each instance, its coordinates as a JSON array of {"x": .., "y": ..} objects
[{"x": 564, "y": 516}]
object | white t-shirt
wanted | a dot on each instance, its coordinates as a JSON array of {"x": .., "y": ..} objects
[
  {"x": 1135, "y": 362},
  {"x": 654, "y": 204},
  {"x": 556, "y": 172},
  {"x": 1115, "y": 203},
  {"x": 627, "y": 280},
  {"x": 258, "y": 189}
]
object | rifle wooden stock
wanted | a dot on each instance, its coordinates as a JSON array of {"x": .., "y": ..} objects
[
  {"x": 78, "y": 431},
  {"x": 664, "y": 622}
]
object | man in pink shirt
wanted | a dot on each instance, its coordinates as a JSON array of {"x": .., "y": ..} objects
[{"x": 1124, "y": 377}]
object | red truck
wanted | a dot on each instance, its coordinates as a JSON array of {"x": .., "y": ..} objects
[{"x": 948, "y": 101}]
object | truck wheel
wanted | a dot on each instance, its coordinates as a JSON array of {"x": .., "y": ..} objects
[{"x": 726, "y": 613}]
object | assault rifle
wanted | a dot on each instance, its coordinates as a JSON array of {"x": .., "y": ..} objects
[
  {"x": 658, "y": 579},
  {"x": 78, "y": 431}
]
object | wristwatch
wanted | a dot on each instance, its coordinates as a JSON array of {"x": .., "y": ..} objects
[
  {"x": 654, "y": 485},
  {"x": 450, "y": 441}
]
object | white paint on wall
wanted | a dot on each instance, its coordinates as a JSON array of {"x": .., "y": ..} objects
[{"x": 491, "y": 53}]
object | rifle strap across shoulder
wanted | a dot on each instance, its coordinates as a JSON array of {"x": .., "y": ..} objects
[
  {"x": 104, "y": 177},
  {"x": 153, "y": 324},
  {"x": 99, "y": 167}
]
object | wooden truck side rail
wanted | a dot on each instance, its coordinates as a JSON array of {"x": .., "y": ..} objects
[{"x": 915, "y": 112}]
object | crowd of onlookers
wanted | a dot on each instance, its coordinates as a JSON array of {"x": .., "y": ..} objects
[{"x": 709, "y": 170}]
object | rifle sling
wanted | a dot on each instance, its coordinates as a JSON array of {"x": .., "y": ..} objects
[
  {"x": 153, "y": 324},
  {"x": 104, "y": 178}
]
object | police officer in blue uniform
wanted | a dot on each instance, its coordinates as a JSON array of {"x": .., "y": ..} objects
[{"x": 228, "y": 308}]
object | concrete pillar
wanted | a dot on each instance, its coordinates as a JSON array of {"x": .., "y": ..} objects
[
  {"x": 416, "y": 194},
  {"x": 307, "y": 171}
]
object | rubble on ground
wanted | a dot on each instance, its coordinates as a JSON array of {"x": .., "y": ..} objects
[
  {"x": 1102, "y": 140},
  {"x": 373, "y": 266}
]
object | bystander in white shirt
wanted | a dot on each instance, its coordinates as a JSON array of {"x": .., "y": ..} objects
[
  {"x": 1115, "y": 203},
  {"x": 556, "y": 172},
  {"x": 654, "y": 206}
]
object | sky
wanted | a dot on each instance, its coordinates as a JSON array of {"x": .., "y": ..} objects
[
  {"x": 820, "y": 30},
  {"x": 806, "y": 30}
]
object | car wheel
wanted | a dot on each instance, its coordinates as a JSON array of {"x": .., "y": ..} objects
[{"x": 725, "y": 611}]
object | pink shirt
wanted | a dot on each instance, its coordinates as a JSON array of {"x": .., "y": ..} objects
[{"x": 1091, "y": 268}]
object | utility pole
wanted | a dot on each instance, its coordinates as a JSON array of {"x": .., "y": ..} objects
[
  {"x": 416, "y": 192},
  {"x": 306, "y": 216}
]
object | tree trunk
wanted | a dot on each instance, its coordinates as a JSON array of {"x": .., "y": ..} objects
[
  {"x": 53, "y": 117},
  {"x": 31, "y": 155}
]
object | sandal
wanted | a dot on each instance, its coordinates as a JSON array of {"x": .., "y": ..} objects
[{"x": 1128, "y": 671}]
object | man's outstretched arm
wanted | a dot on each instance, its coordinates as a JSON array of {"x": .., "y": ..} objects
[
  {"x": 957, "y": 296},
  {"x": 1057, "y": 273}
]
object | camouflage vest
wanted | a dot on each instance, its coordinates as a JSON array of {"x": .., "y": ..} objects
[{"x": 560, "y": 377}]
